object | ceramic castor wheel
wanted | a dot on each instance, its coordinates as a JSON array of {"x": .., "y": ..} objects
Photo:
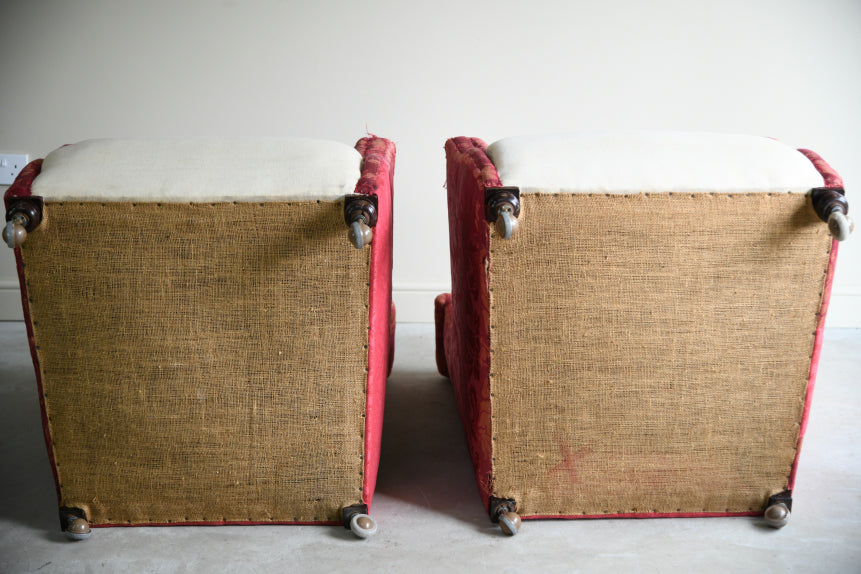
[
  {"x": 777, "y": 515},
  {"x": 360, "y": 234},
  {"x": 840, "y": 225},
  {"x": 509, "y": 522},
  {"x": 77, "y": 528},
  {"x": 14, "y": 234},
  {"x": 506, "y": 222},
  {"x": 363, "y": 525}
]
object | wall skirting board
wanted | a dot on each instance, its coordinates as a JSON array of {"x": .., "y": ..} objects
[
  {"x": 10, "y": 302},
  {"x": 415, "y": 304}
]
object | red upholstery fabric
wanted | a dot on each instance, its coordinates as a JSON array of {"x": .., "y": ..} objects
[
  {"x": 377, "y": 178},
  {"x": 21, "y": 186},
  {"x": 442, "y": 310},
  {"x": 392, "y": 326},
  {"x": 831, "y": 179},
  {"x": 465, "y": 315}
]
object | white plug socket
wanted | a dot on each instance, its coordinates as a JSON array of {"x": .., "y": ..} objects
[{"x": 10, "y": 165}]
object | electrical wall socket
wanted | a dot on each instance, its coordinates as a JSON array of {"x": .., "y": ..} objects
[{"x": 10, "y": 165}]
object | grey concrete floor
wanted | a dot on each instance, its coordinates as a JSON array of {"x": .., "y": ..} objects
[{"x": 427, "y": 504}]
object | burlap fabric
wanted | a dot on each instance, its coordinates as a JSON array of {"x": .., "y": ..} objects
[
  {"x": 201, "y": 362},
  {"x": 651, "y": 352}
]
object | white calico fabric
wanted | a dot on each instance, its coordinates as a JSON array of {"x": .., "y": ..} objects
[
  {"x": 199, "y": 170},
  {"x": 651, "y": 161}
]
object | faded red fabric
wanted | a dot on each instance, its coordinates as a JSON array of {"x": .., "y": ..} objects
[
  {"x": 465, "y": 315},
  {"x": 831, "y": 179},
  {"x": 378, "y": 168},
  {"x": 23, "y": 182},
  {"x": 221, "y": 523},
  {"x": 641, "y": 515},
  {"x": 392, "y": 325},
  {"x": 442, "y": 305},
  {"x": 21, "y": 188}
]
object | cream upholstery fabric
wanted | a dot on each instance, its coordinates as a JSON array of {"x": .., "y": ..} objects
[
  {"x": 199, "y": 169},
  {"x": 651, "y": 161}
]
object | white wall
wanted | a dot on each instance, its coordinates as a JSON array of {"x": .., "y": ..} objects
[{"x": 421, "y": 72}]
